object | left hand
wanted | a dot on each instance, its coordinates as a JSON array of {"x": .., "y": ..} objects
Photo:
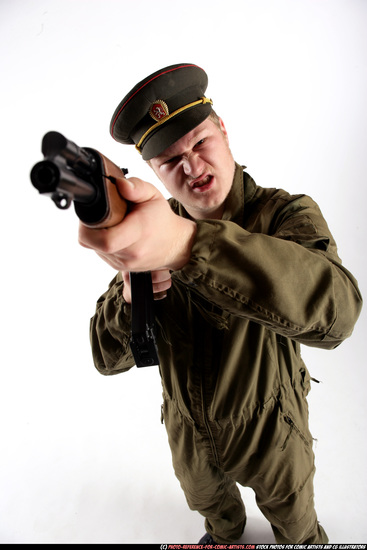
[{"x": 161, "y": 282}]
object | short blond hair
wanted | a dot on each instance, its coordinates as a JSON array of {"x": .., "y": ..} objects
[{"x": 214, "y": 118}]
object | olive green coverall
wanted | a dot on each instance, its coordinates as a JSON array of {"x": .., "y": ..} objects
[{"x": 261, "y": 281}]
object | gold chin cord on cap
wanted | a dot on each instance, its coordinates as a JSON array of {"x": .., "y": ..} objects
[{"x": 202, "y": 100}]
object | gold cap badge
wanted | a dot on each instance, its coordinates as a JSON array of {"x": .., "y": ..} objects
[{"x": 159, "y": 110}]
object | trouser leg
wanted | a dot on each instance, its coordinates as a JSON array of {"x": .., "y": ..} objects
[
  {"x": 293, "y": 517},
  {"x": 318, "y": 536},
  {"x": 215, "y": 496},
  {"x": 284, "y": 487},
  {"x": 226, "y": 520},
  {"x": 207, "y": 488},
  {"x": 274, "y": 456}
]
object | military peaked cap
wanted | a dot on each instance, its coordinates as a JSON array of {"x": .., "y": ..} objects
[{"x": 162, "y": 108}]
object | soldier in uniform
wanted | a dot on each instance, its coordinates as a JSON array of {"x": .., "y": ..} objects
[{"x": 242, "y": 275}]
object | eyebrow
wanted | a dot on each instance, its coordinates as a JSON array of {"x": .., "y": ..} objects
[{"x": 163, "y": 158}]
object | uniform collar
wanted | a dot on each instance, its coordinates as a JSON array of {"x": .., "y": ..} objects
[{"x": 242, "y": 190}]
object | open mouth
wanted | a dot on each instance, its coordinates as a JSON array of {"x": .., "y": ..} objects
[{"x": 203, "y": 183}]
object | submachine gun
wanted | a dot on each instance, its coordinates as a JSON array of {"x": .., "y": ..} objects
[{"x": 85, "y": 177}]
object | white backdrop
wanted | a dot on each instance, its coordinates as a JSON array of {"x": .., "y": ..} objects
[{"x": 84, "y": 458}]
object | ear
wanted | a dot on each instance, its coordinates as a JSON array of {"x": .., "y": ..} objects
[{"x": 223, "y": 129}]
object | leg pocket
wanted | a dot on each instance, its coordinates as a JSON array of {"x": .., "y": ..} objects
[{"x": 294, "y": 431}]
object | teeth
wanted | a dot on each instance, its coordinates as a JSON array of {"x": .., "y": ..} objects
[{"x": 202, "y": 182}]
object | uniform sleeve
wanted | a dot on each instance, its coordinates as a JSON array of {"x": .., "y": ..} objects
[
  {"x": 291, "y": 281},
  {"x": 110, "y": 331}
]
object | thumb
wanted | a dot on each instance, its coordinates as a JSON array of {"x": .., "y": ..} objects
[{"x": 137, "y": 190}]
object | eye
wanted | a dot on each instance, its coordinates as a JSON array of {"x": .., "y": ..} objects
[
  {"x": 200, "y": 142},
  {"x": 171, "y": 160}
]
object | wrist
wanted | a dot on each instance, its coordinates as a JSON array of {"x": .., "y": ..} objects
[{"x": 183, "y": 244}]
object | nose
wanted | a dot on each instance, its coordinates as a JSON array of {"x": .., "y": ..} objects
[{"x": 192, "y": 165}]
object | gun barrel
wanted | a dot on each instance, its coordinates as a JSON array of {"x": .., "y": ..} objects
[
  {"x": 55, "y": 144},
  {"x": 50, "y": 178}
]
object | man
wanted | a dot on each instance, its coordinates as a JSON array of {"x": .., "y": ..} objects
[{"x": 244, "y": 276}]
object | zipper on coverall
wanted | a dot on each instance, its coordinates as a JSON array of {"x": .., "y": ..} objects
[
  {"x": 207, "y": 424},
  {"x": 209, "y": 341}
]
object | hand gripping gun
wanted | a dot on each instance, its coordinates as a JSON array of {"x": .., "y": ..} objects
[{"x": 85, "y": 177}]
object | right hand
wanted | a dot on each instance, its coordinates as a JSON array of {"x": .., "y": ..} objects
[
  {"x": 161, "y": 282},
  {"x": 151, "y": 237}
]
